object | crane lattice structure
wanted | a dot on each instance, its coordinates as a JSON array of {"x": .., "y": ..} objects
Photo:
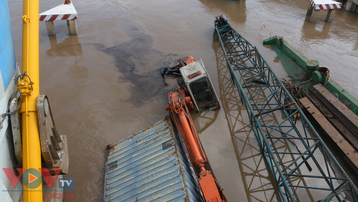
[{"x": 289, "y": 142}]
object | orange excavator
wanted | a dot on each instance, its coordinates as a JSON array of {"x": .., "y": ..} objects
[{"x": 197, "y": 93}]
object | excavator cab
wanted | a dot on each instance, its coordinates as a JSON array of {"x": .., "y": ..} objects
[{"x": 199, "y": 86}]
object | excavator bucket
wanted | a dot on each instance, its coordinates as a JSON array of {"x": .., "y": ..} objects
[{"x": 181, "y": 62}]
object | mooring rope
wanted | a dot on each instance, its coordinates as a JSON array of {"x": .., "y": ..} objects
[{"x": 263, "y": 24}]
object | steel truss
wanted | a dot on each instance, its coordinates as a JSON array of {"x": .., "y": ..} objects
[
  {"x": 289, "y": 142},
  {"x": 256, "y": 179}
]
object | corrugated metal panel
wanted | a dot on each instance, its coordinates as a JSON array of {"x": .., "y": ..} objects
[{"x": 150, "y": 165}]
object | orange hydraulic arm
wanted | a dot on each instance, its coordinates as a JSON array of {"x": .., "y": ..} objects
[{"x": 179, "y": 106}]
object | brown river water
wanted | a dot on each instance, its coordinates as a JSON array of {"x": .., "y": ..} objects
[{"x": 104, "y": 84}]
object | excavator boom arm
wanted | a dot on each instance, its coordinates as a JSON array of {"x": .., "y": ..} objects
[{"x": 179, "y": 106}]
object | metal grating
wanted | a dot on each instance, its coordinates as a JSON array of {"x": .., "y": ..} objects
[{"x": 150, "y": 165}]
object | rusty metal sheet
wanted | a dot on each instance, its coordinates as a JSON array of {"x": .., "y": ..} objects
[
  {"x": 347, "y": 149},
  {"x": 150, "y": 165}
]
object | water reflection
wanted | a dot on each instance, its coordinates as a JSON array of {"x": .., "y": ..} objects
[
  {"x": 343, "y": 28},
  {"x": 68, "y": 47},
  {"x": 347, "y": 16},
  {"x": 236, "y": 10},
  {"x": 257, "y": 181},
  {"x": 315, "y": 30}
]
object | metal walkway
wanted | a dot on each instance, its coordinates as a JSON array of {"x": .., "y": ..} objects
[{"x": 301, "y": 165}]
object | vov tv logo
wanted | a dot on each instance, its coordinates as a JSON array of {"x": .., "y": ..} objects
[
  {"x": 66, "y": 183},
  {"x": 32, "y": 178}
]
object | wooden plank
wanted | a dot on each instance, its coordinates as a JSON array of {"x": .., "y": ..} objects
[
  {"x": 347, "y": 149},
  {"x": 338, "y": 104}
]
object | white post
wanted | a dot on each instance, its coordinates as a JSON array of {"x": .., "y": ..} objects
[{"x": 313, "y": 16}]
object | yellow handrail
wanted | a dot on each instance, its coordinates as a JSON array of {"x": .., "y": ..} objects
[{"x": 30, "y": 88}]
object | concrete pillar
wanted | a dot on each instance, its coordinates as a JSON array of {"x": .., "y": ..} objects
[
  {"x": 348, "y": 5},
  {"x": 330, "y": 15},
  {"x": 309, "y": 10},
  {"x": 313, "y": 16},
  {"x": 50, "y": 28},
  {"x": 72, "y": 27}
]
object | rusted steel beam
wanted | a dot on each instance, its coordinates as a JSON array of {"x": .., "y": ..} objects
[
  {"x": 347, "y": 149},
  {"x": 342, "y": 127},
  {"x": 353, "y": 118},
  {"x": 343, "y": 119}
]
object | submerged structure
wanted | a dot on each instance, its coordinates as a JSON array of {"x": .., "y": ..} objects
[
  {"x": 150, "y": 165},
  {"x": 302, "y": 166}
]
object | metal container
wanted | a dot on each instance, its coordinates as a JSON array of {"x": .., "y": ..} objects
[{"x": 150, "y": 165}]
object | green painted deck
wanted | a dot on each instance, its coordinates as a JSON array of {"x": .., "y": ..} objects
[{"x": 295, "y": 65}]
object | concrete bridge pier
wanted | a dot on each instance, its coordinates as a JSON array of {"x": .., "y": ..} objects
[
  {"x": 348, "y": 5},
  {"x": 310, "y": 10},
  {"x": 330, "y": 15},
  {"x": 352, "y": 6},
  {"x": 311, "y": 13}
]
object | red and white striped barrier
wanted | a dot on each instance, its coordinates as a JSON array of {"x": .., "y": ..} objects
[
  {"x": 58, "y": 17},
  {"x": 325, "y": 4},
  {"x": 61, "y": 12}
]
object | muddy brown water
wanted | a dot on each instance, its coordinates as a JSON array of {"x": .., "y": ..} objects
[{"x": 104, "y": 84}]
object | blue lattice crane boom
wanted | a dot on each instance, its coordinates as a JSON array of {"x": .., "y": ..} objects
[{"x": 265, "y": 97}]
